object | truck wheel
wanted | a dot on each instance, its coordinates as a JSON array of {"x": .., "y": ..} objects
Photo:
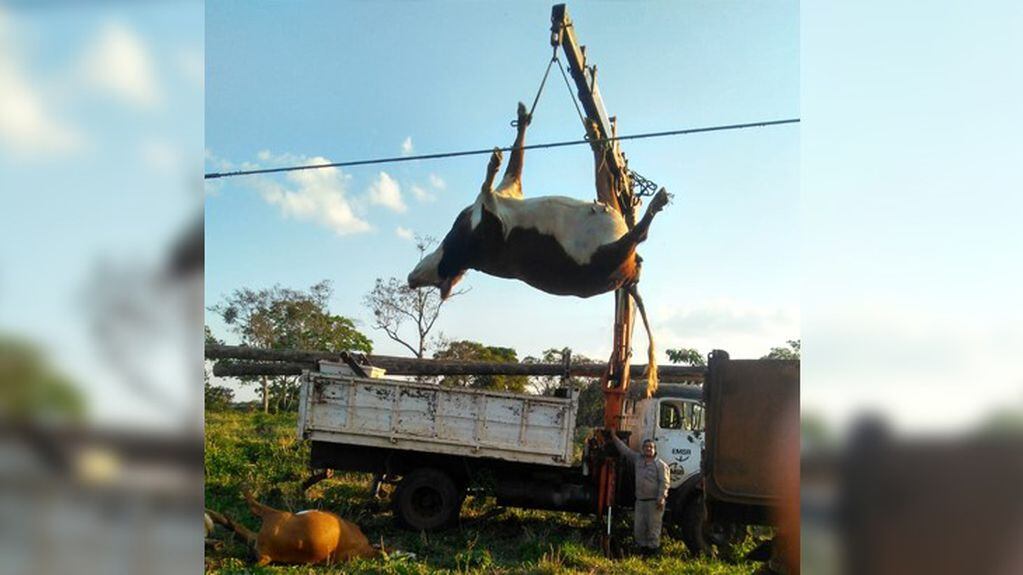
[
  {"x": 427, "y": 499},
  {"x": 691, "y": 523},
  {"x": 703, "y": 539}
]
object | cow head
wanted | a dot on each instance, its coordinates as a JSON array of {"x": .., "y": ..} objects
[{"x": 445, "y": 266}]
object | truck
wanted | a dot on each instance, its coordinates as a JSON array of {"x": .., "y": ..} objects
[{"x": 435, "y": 443}]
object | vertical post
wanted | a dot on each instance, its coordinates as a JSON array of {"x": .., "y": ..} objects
[{"x": 614, "y": 189}]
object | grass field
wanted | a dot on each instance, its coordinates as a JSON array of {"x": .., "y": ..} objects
[{"x": 260, "y": 451}]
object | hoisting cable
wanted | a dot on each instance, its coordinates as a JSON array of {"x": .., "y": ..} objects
[
  {"x": 682, "y": 132},
  {"x": 570, "y": 92},
  {"x": 554, "y": 58}
]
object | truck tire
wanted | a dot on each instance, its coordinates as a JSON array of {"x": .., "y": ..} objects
[
  {"x": 426, "y": 500},
  {"x": 691, "y": 524},
  {"x": 703, "y": 539}
]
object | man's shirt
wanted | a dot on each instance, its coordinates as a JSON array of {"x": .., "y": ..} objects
[{"x": 652, "y": 476}]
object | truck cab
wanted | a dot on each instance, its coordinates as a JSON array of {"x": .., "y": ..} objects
[{"x": 673, "y": 418}]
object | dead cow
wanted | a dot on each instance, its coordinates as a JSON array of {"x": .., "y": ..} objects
[
  {"x": 303, "y": 537},
  {"x": 556, "y": 244}
]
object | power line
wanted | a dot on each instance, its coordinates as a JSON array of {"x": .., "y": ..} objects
[{"x": 213, "y": 175}]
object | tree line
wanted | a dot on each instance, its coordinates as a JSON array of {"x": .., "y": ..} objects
[{"x": 284, "y": 318}]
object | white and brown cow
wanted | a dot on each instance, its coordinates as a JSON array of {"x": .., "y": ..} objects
[{"x": 556, "y": 244}]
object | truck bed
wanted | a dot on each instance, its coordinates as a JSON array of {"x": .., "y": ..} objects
[{"x": 427, "y": 418}]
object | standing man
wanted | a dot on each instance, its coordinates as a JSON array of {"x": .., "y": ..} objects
[{"x": 652, "y": 483}]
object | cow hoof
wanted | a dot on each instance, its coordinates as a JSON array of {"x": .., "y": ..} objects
[
  {"x": 495, "y": 160},
  {"x": 659, "y": 200},
  {"x": 524, "y": 117}
]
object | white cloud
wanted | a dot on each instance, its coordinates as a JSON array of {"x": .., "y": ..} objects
[
  {"x": 437, "y": 182},
  {"x": 217, "y": 163},
  {"x": 118, "y": 64},
  {"x": 406, "y": 146},
  {"x": 386, "y": 192},
  {"x": 161, "y": 156},
  {"x": 404, "y": 233},
  {"x": 28, "y": 126},
  {"x": 742, "y": 329},
  {"x": 315, "y": 195},
  {"x": 422, "y": 195}
]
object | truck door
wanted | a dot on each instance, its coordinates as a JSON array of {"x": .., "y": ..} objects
[{"x": 679, "y": 435}]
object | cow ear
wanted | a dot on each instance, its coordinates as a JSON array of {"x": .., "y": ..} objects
[{"x": 448, "y": 283}]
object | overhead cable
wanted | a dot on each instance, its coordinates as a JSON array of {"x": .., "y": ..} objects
[{"x": 214, "y": 175}]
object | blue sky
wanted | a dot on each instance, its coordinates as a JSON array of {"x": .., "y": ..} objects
[
  {"x": 345, "y": 81},
  {"x": 911, "y": 205},
  {"x": 100, "y": 144},
  {"x": 882, "y": 229}
]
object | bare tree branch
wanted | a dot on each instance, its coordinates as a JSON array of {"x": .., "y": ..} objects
[{"x": 393, "y": 304}]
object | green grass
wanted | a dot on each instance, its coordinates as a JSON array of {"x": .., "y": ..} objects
[{"x": 260, "y": 452}]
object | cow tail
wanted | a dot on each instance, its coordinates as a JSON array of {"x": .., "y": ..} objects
[
  {"x": 238, "y": 528},
  {"x": 651, "y": 366}
]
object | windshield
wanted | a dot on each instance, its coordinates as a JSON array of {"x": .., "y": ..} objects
[{"x": 685, "y": 415}]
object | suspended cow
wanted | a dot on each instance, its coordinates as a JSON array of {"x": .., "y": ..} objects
[{"x": 556, "y": 244}]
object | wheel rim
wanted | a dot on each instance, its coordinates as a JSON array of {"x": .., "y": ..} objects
[{"x": 427, "y": 503}]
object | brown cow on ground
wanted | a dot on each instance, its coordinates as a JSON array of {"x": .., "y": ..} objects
[{"x": 304, "y": 537}]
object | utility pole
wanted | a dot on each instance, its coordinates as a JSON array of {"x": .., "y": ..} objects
[{"x": 614, "y": 188}]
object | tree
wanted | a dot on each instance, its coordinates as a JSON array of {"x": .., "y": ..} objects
[
  {"x": 31, "y": 389},
  {"x": 393, "y": 304},
  {"x": 217, "y": 397},
  {"x": 546, "y": 384},
  {"x": 591, "y": 395},
  {"x": 591, "y": 404},
  {"x": 466, "y": 350},
  {"x": 283, "y": 318},
  {"x": 686, "y": 356},
  {"x": 790, "y": 352}
]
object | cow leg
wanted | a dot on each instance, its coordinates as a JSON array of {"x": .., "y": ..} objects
[
  {"x": 492, "y": 167},
  {"x": 513, "y": 173},
  {"x": 621, "y": 249},
  {"x": 487, "y": 198},
  {"x": 638, "y": 234},
  {"x": 657, "y": 204}
]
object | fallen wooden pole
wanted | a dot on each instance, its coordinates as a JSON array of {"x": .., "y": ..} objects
[{"x": 247, "y": 361}]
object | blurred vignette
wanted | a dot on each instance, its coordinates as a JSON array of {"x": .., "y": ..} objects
[
  {"x": 883, "y": 503},
  {"x": 912, "y": 396},
  {"x": 100, "y": 408},
  {"x": 101, "y": 135}
]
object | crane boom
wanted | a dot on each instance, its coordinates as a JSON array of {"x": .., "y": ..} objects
[{"x": 616, "y": 191}]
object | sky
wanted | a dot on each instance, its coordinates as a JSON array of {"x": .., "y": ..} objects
[
  {"x": 882, "y": 230},
  {"x": 910, "y": 211},
  {"x": 101, "y": 138},
  {"x": 330, "y": 81}
]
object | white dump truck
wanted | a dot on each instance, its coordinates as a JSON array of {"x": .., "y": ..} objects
[{"x": 436, "y": 442}]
